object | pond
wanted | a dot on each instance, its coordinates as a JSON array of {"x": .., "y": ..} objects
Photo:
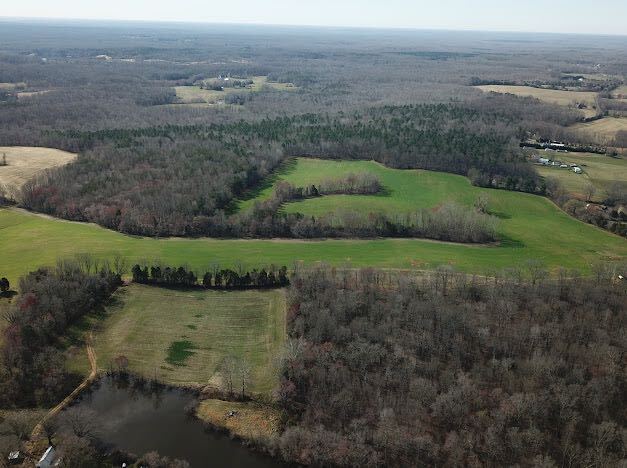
[{"x": 140, "y": 420}]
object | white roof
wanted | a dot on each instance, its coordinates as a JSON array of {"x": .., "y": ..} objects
[{"x": 47, "y": 458}]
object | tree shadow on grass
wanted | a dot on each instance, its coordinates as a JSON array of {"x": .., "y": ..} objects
[
  {"x": 500, "y": 214},
  {"x": 507, "y": 241},
  {"x": 75, "y": 335}
]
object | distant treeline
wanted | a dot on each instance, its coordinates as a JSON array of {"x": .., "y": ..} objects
[
  {"x": 181, "y": 180},
  {"x": 217, "y": 279}
]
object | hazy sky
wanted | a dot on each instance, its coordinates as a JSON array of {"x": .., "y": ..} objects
[{"x": 576, "y": 16}]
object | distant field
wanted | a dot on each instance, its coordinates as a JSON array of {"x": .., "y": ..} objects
[
  {"x": 594, "y": 76},
  {"x": 145, "y": 321},
  {"x": 604, "y": 130},
  {"x": 551, "y": 96},
  {"x": 196, "y": 95},
  {"x": 29, "y": 94},
  {"x": 598, "y": 169},
  {"x": 26, "y": 162},
  {"x": 620, "y": 92},
  {"x": 12, "y": 86},
  {"x": 531, "y": 227}
]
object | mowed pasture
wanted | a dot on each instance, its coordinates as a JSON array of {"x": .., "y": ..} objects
[
  {"x": 598, "y": 169},
  {"x": 24, "y": 163},
  {"x": 602, "y": 131},
  {"x": 145, "y": 324},
  {"x": 550, "y": 96},
  {"x": 531, "y": 227},
  {"x": 199, "y": 96}
]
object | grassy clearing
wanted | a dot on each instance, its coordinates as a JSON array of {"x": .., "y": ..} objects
[
  {"x": 550, "y": 96},
  {"x": 620, "y": 92},
  {"x": 12, "y": 86},
  {"x": 531, "y": 228},
  {"x": 599, "y": 170},
  {"x": 602, "y": 131},
  {"x": 29, "y": 94},
  {"x": 252, "y": 421},
  {"x": 23, "y": 163},
  {"x": 196, "y": 95},
  {"x": 151, "y": 327}
]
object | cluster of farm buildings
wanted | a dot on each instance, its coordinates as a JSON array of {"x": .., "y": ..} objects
[{"x": 553, "y": 162}]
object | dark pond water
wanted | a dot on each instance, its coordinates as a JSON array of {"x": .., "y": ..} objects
[{"x": 140, "y": 420}]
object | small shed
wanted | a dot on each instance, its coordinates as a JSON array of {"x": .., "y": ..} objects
[
  {"x": 577, "y": 170},
  {"x": 48, "y": 459}
]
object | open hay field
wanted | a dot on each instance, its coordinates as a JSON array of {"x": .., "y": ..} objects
[
  {"x": 29, "y": 94},
  {"x": 12, "y": 86},
  {"x": 598, "y": 169},
  {"x": 602, "y": 131},
  {"x": 531, "y": 227},
  {"x": 196, "y": 95},
  {"x": 550, "y": 96},
  {"x": 148, "y": 324},
  {"x": 620, "y": 92},
  {"x": 23, "y": 163}
]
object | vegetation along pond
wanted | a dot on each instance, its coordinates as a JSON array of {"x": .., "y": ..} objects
[{"x": 139, "y": 419}]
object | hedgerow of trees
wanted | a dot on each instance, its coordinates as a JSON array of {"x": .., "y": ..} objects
[{"x": 224, "y": 278}]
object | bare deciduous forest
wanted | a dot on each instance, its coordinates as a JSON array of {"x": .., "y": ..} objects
[{"x": 452, "y": 370}]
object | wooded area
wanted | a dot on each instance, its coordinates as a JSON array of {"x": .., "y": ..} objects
[{"x": 389, "y": 370}]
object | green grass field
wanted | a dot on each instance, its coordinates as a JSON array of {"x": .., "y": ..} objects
[
  {"x": 531, "y": 228},
  {"x": 182, "y": 336},
  {"x": 598, "y": 169}
]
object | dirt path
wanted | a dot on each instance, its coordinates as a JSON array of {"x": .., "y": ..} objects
[{"x": 91, "y": 355}]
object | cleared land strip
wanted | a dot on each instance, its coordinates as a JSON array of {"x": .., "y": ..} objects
[{"x": 23, "y": 163}]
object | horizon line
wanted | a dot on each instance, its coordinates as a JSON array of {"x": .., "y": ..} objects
[{"x": 291, "y": 25}]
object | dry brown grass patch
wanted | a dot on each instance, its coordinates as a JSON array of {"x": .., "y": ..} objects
[
  {"x": 251, "y": 421},
  {"x": 24, "y": 163}
]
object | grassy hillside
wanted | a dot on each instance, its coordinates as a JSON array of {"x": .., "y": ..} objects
[
  {"x": 182, "y": 336},
  {"x": 603, "y": 131},
  {"x": 531, "y": 227},
  {"x": 598, "y": 169}
]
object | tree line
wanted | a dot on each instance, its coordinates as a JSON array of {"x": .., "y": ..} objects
[
  {"x": 183, "y": 180},
  {"x": 224, "y": 278},
  {"x": 447, "y": 369},
  {"x": 450, "y": 222}
]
